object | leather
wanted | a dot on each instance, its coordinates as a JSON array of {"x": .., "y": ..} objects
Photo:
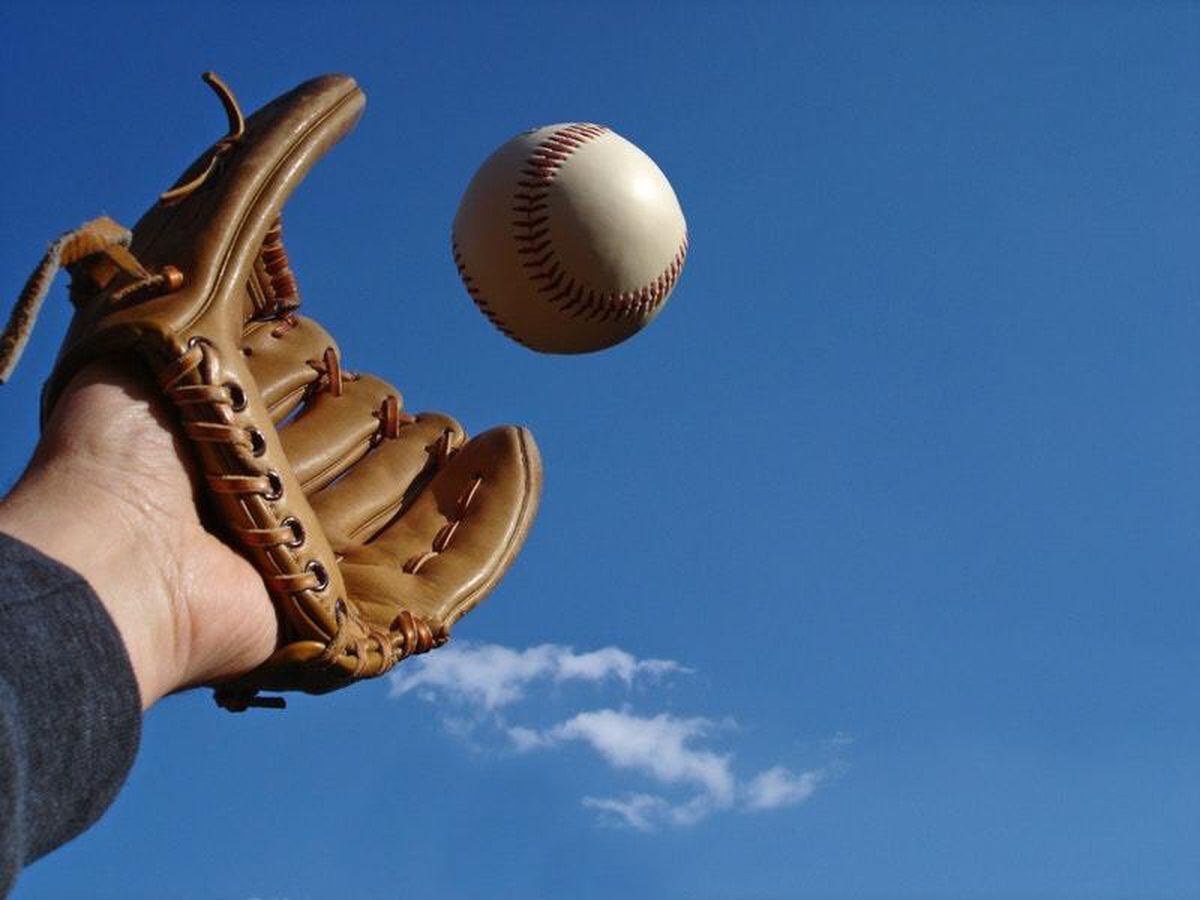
[
  {"x": 374, "y": 530},
  {"x": 569, "y": 238}
]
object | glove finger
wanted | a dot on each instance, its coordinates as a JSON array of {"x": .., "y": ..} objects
[
  {"x": 355, "y": 507},
  {"x": 285, "y": 356},
  {"x": 333, "y": 431},
  {"x": 458, "y": 536}
]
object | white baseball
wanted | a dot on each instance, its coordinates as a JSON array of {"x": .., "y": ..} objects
[{"x": 569, "y": 238}]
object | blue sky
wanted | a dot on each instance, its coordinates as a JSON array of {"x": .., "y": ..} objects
[{"x": 867, "y": 571}]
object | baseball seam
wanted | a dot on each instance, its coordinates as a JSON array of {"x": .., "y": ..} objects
[
  {"x": 549, "y": 277},
  {"x": 477, "y": 296}
]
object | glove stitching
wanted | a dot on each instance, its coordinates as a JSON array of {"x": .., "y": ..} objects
[
  {"x": 199, "y": 363},
  {"x": 445, "y": 535},
  {"x": 232, "y": 443},
  {"x": 368, "y": 654}
]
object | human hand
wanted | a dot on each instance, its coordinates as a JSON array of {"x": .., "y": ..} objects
[{"x": 109, "y": 493}]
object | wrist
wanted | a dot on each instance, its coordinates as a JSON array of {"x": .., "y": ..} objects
[{"x": 100, "y": 535}]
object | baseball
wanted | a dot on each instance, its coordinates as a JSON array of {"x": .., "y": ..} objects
[{"x": 569, "y": 238}]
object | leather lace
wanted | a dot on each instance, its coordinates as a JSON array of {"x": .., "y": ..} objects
[
  {"x": 191, "y": 382},
  {"x": 102, "y": 240},
  {"x": 103, "y": 236},
  {"x": 237, "y": 127},
  {"x": 211, "y": 410}
]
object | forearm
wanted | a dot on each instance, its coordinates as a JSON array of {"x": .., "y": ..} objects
[
  {"x": 114, "y": 596},
  {"x": 70, "y": 715}
]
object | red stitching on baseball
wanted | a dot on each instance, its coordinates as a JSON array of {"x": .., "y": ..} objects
[{"x": 532, "y": 198}]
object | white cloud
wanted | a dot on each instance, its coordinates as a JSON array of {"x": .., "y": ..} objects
[
  {"x": 778, "y": 787},
  {"x": 646, "y": 812},
  {"x": 676, "y": 754},
  {"x": 640, "y": 811},
  {"x": 659, "y": 746},
  {"x": 663, "y": 748},
  {"x": 526, "y": 738},
  {"x": 491, "y": 676}
]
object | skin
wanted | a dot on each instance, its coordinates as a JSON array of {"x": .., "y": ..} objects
[{"x": 110, "y": 494}]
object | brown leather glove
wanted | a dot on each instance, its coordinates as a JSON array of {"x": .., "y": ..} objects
[{"x": 374, "y": 530}]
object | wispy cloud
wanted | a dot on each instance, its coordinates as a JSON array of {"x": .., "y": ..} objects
[
  {"x": 665, "y": 749},
  {"x": 660, "y": 746},
  {"x": 778, "y": 787},
  {"x": 640, "y": 811},
  {"x": 491, "y": 676},
  {"x": 679, "y": 755}
]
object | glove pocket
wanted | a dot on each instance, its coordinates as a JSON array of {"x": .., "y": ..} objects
[{"x": 446, "y": 551}]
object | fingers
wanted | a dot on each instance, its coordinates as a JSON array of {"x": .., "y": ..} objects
[
  {"x": 333, "y": 431},
  {"x": 418, "y": 518},
  {"x": 457, "y": 537},
  {"x": 374, "y": 491},
  {"x": 285, "y": 356}
]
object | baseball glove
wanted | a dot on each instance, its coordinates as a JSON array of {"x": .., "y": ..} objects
[{"x": 374, "y": 530}]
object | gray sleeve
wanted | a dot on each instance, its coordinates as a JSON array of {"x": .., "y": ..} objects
[{"x": 70, "y": 711}]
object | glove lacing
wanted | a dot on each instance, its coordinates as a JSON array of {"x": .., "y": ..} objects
[{"x": 102, "y": 238}]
